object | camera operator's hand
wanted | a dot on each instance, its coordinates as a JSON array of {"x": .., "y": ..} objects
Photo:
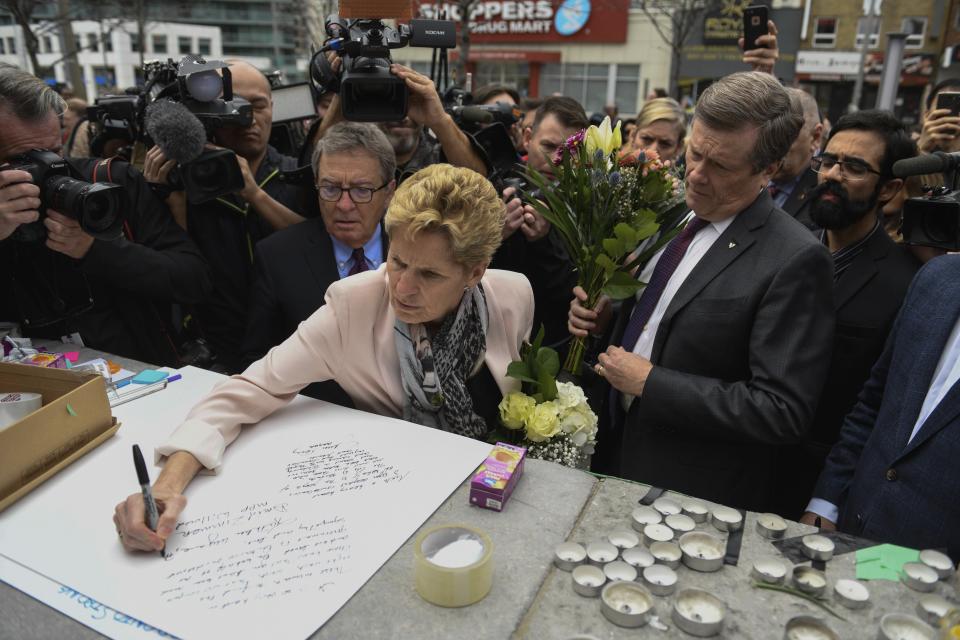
[
  {"x": 19, "y": 201},
  {"x": 534, "y": 226},
  {"x": 425, "y": 106},
  {"x": 65, "y": 236},
  {"x": 156, "y": 167},
  {"x": 765, "y": 57},
  {"x": 514, "y": 216},
  {"x": 940, "y": 130}
]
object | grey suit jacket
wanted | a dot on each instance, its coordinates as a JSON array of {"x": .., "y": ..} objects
[
  {"x": 888, "y": 487},
  {"x": 739, "y": 360}
]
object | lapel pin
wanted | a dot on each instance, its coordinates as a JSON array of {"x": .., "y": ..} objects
[{"x": 731, "y": 245}]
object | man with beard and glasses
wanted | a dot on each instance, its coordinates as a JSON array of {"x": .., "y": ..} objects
[{"x": 871, "y": 277}]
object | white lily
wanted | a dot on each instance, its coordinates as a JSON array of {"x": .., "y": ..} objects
[{"x": 603, "y": 138}]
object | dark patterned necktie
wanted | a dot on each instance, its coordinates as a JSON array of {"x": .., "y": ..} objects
[
  {"x": 773, "y": 190},
  {"x": 668, "y": 263},
  {"x": 359, "y": 262}
]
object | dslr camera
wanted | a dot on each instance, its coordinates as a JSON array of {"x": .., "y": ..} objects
[
  {"x": 368, "y": 91},
  {"x": 97, "y": 207}
]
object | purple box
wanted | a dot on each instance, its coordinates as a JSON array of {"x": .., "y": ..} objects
[{"x": 495, "y": 479}]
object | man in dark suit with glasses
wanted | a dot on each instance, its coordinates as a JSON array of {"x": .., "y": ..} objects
[{"x": 354, "y": 166}]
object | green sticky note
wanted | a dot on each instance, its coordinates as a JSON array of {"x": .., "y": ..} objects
[
  {"x": 876, "y": 571},
  {"x": 869, "y": 553},
  {"x": 71, "y": 411},
  {"x": 894, "y": 557},
  {"x": 149, "y": 376}
]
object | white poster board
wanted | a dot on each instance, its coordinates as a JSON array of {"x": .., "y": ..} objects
[{"x": 309, "y": 504}]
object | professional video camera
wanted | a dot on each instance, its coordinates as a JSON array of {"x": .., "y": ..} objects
[
  {"x": 97, "y": 207},
  {"x": 932, "y": 220},
  {"x": 178, "y": 108},
  {"x": 368, "y": 91},
  {"x": 489, "y": 125}
]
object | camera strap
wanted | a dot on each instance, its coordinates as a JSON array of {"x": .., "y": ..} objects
[{"x": 245, "y": 209}]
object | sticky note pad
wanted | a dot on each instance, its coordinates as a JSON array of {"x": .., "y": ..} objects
[
  {"x": 72, "y": 356},
  {"x": 149, "y": 376}
]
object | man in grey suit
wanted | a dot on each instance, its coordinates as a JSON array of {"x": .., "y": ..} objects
[
  {"x": 793, "y": 182},
  {"x": 722, "y": 356},
  {"x": 893, "y": 475}
]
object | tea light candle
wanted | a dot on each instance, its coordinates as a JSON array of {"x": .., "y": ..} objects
[
  {"x": 695, "y": 510},
  {"x": 939, "y": 562},
  {"x": 680, "y": 523},
  {"x": 643, "y": 515},
  {"x": 769, "y": 570},
  {"x": 771, "y": 526},
  {"x": 666, "y": 553},
  {"x": 657, "y": 533},
  {"x": 623, "y": 539},
  {"x": 619, "y": 570},
  {"x": 626, "y": 604},
  {"x": 702, "y": 551},
  {"x": 698, "y": 613},
  {"x": 817, "y": 547},
  {"x": 933, "y": 607},
  {"x": 660, "y": 580},
  {"x": 569, "y": 555},
  {"x": 900, "y": 626},
  {"x": 808, "y": 628},
  {"x": 919, "y": 576},
  {"x": 588, "y": 580},
  {"x": 638, "y": 557},
  {"x": 666, "y": 506},
  {"x": 809, "y": 580},
  {"x": 600, "y": 553},
  {"x": 726, "y": 519},
  {"x": 852, "y": 594}
]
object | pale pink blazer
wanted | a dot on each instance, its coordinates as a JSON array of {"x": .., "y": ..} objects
[{"x": 351, "y": 340}]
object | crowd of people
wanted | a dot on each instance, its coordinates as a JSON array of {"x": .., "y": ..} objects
[{"x": 751, "y": 370}]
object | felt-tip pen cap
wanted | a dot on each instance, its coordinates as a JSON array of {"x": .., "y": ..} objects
[{"x": 138, "y": 462}]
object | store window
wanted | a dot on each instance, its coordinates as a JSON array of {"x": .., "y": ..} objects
[
  {"x": 916, "y": 30},
  {"x": 515, "y": 75},
  {"x": 825, "y": 33},
  {"x": 159, "y": 44},
  {"x": 871, "y": 24},
  {"x": 185, "y": 45},
  {"x": 592, "y": 84}
]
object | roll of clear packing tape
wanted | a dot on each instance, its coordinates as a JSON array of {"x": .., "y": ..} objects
[
  {"x": 453, "y": 565},
  {"x": 17, "y": 405}
]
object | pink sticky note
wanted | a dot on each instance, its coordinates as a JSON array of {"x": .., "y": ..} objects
[{"x": 72, "y": 356}]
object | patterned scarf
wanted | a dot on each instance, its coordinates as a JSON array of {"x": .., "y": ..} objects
[{"x": 434, "y": 370}]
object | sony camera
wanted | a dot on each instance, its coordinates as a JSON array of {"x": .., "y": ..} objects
[
  {"x": 97, "y": 207},
  {"x": 368, "y": 91}
]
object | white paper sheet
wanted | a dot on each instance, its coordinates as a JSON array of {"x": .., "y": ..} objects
[{"x": 309, "y": 504}]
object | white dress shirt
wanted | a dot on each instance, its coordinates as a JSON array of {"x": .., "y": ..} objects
[
  {"x": 945, "y": 377},
  {"x": 698, "y": 248}
]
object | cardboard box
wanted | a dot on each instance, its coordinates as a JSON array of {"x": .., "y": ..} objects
[
  {"x": 494, "y": 480},
  {"x": 49, "y": 439}
]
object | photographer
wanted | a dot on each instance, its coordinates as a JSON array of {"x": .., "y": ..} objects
[
  {"x": 529, "y": 247},
  {"x": 414, "y": 147},
  {"x": 113, "y": 295},
  {"x": 226, "y": 229}
]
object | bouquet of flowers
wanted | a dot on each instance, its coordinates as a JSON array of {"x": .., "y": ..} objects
[
  {"x": 551, "y": 419},
  {"x": 604, "y": 204}
]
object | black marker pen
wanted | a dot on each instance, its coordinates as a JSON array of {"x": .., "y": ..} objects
[{"x": 153, "y": 516}]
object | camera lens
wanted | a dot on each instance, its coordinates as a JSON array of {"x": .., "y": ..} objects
[{"x": 95, "y": 206}]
